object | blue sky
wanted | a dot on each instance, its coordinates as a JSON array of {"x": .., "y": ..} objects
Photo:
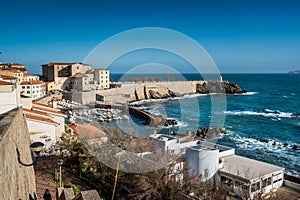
[{"x": 240, "y": 36}]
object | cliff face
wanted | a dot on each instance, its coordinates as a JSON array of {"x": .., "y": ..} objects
[
  {"x": 16, "y": 181},
  {"x": 219, "y": 87}
]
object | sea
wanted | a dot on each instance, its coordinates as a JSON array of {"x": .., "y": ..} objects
[{"x": 270, "y": 110}]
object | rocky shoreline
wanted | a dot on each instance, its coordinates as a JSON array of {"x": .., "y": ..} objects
[{"x": 219, "y": 87}]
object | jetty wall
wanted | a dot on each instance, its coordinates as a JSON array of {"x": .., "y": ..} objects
[
  {"x": 16, "y": 181},
  {"x": 138, "y": 91},
  {"x": 150, "y": 119}
]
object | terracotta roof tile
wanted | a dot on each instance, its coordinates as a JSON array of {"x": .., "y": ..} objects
[
  {"x": 47, "y": 110},
  {"x": 10, "y": 64},
  {"x": 35, "y": 82},
  {"x": 29, "y": 74},
  {"x": 102, "y": 69},
  {"x": 7, "y": 77},
  {"x": 5, "y": 83},
  {"x": 35, "y": 112},
  {"x": 89, "y": 131},
  {"x": 41, "y": 119}
]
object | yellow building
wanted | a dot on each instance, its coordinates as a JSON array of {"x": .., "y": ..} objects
[{"x": 50, "y": 86}]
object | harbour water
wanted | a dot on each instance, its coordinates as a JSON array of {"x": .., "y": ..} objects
[{"x": 270, "y": 110}]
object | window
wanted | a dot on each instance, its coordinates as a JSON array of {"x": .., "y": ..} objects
[
  {"x": 266, "y": 182},
  {"x": 23, "y": 87},
  {"x": 28, "y": 87},
  {"x": 255, "y": 187},
  {"x": 28, "y": 92}
]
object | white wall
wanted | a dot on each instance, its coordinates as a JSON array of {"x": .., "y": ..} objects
[
  {"x": 59, "y": 128},
  {"x": 38, "y": 129},
  {"x": 8, "y": 101},
  {"x": 201, "y": 160}
]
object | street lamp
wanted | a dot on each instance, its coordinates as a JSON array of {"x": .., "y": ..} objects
[
  {"x": 35, "y": 147},
  {"x": 60, "y": 162}
]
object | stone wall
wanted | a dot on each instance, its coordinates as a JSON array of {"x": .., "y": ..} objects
[
  {"x": 16, "y": 181},
  {"x": 132, "y": 91},
  {"x": 81, "y": 97}
]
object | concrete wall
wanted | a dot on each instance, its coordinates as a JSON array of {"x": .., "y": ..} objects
[{"x": 16, "y": 181}]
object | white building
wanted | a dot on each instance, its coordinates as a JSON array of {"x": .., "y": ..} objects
[
  {"x": 34, "y": 89},
  {"x": 9, "y": 94},
  {"x": 41, "y": 127},
  {"x": 241, "y": 176},
  {"x": 56, "y": 115},
  {"x": 30, "y": 77}
]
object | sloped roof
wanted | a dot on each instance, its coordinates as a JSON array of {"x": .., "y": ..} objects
[
  {"x": 48, "y": 111},
  {"x": 41, "y": 119},
  {"x": 35, "y": 82},
  {"x": 29, "y": 74},
  {"x": 35, "y": 112},
  {"x": 7, "y": 77},
  {"x": 15, "y": 70},
  {"x": 10, "y": 64},
  {"x": 5, "y": 83},
  {"x": 89, "y": 131}
]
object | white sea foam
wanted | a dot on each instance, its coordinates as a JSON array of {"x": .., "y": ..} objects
[
  {"x": 247, "y": 93},
  {"x": 266, "y": 113}
]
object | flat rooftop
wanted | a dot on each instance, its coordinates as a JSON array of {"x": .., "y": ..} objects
[{"x": 246, "y": 168}]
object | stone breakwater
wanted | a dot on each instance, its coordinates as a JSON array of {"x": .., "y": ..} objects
[{"x": 129, "y": 92}]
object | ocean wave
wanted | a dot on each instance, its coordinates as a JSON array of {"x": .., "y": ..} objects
[
  {"x": 272, "y": 145},
  {"x": 247, "y": 93},
  {"x": 263, "y": 112}
]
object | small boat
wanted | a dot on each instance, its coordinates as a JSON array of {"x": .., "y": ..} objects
[
  {"x": 87, "y": 120},
  {"x": 100, "y": 119}
]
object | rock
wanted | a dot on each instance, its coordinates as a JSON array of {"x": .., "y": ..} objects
[
  {"x": 296, "y": 147},
  {"x": 285, "y": 144},
  {"x": 223, "y": 130},
  {"x": 169, "y": 122},
  {"x": 265, "y": 140},
  {"x": 275, "y": 144},
  {"x": 174, "y": 122},
  {"x": 210, "y": 132},
  {"x": 219, "y": 87}
]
